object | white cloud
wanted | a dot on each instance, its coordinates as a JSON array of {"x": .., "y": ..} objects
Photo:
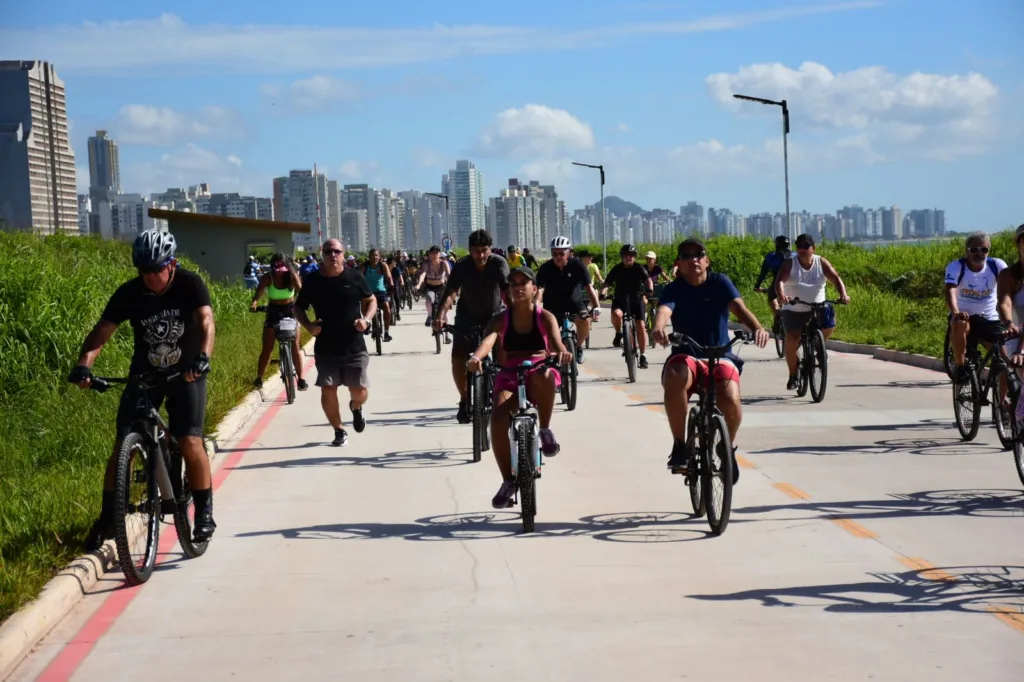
[
  {"x": 622, "y": 128},
  {"x": 190, "y": 165},
  {"x": 142, "y": 124},
  {"x": 171, "y": 42},
  {"x": 312, "y": 94},
  {"x": 931, "y": 116},
  {"x": 534, "y": 130}
]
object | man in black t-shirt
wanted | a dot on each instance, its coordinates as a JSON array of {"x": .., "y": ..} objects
[
  {"x": 344, "y": 306},
  {"x": 172, "y": 320},
  {"x": 560, "y": 283},
  {"x": 632, "y": 282},
  {"x": 482, "y": 279}
]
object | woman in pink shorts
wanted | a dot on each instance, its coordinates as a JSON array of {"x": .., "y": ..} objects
[{"x": 522, "y": 332}]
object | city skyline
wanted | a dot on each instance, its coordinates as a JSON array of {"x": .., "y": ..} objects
[{"x": 392, "y": 98}]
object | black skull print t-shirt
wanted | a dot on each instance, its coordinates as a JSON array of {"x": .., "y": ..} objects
[{"x": 166, "y": 333}]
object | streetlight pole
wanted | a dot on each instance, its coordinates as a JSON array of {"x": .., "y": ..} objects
[
  {"x": 447, "y": 215},
  {"x": 785, "y": 147},
  {"x": 604, "y": 226}
]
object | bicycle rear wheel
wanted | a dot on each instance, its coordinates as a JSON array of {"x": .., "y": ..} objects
[
  {"x": 698, "y": 500},
  {"x": 287, "y": 372},
  {"x": 780, "y": 337},
  {"x": 967, "y": 403},
  {"x": 717, "y": 474},
  {"x": 136, "y": 509},
  {"x": 627, "y": 349},
  {"x": 1003, "y": 411},
  {"x": 818, "y": 363},
  {"x": 184, "y": 512},
  {"x": 525, "y": 474}
]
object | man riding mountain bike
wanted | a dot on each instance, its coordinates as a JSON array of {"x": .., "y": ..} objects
[
  {"x": 172, "y": 321},
  {"x": 631, "y": 283},
  {"x": 560, "y": 283},
  {"x": 771, "y": 265}
]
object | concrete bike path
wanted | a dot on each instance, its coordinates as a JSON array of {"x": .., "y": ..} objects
[{"x": 866, "y": 543}]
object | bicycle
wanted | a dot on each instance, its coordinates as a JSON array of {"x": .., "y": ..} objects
[
  {"x": 377, "y": 327},
  {"x": 630, "y": 345},
  {"x": 812, "y": 354},
  {"x": 479, "y": 395},
  {"x": 160, "y": 469},
  {"x": 971, "y": 392},
  {"x": 524, "y": 438},
  {"x": 707, "y": 436},
  {"x": 286, "y": 329},
  {"x": 435, "y": 309},
  {"x": 570, "y": 372}
]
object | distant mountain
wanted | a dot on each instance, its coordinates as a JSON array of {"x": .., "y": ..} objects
[{"x": 620, "y": 208}]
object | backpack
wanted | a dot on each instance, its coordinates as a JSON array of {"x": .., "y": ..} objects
[{"x": 990, "y": 262}]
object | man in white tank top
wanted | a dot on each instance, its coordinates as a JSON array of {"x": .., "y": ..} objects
[
  {"x": 804, "y": 277},
  {"x": 971, "y": 296}
]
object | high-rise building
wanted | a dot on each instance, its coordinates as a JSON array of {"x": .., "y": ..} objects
[
  {"x": 693, "y": 220},
  {"x": 354, "y": 230},
  {"x": 84, "y": 213},
  {"x": 304, "y": 200},
  {"x": 464, "y": 186},
  {"x": 37, "y": 166},
  {"x": 230, "y": 205},
  {"x": 333, "y": 209},
  {"x": 122, "y": 216},
  {"x": 104, "y": 164}
]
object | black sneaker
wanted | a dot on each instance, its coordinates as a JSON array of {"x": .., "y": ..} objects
[
  {"x": 302, "y": 385},
  {"x": 358, "y": 423},
  {"x": 617, "y": 341},
  {"x": 735, "y": 467},
  {"x": 340, "y": 438},
  {"x": 643, "y": 362},
  {"x": 579, "y": 355},
  {"x": 505, "y": 496},
  {"x": 679, "y": 460},
  {"x": 387, "y": 337},
  {"x": 793, "y": 383},
  {"x": 205, "y": 525},
  {"x": 464, "y": 417},
  {"x": 258, "y": 383}
]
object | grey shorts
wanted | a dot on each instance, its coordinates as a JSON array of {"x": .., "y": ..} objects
[
  {"x": 343, "y": 370},
  {"x": 794, "y": 320}
]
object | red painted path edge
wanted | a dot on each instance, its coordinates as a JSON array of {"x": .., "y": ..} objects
[{"x": 80, "y": 646}]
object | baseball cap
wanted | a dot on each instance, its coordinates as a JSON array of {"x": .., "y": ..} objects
[
  {"x": 523, "y": 270},
  {"x": 805, "y": 239},
  {"x": 651, "y": 254},
  {"x": 691, "y": 243}
]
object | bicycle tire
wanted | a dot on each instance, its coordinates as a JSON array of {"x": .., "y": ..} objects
[
  {"x": 488, "y": 393},
  {"x": 569, "y": 377},
  {"x": 819, "y": 365},
  {"x": 693, "y": 479},
  {"x": 967, "y": 404},
  {"x": 627, "y": 350},
  {"x": 803, "y": 371},
  {"x": 1005, "y": 422},
  {"x": 947, "y": 353},
  {"x": 287, "y": 372},
  {"x": 525, "y": 474},
  {"x": 134, "y": 445},
  {"x": 780, "y": 337},
  {"x": 718, "y": 441},
  {"x": 437, "y": 343},
  {"x": 184, "y": 509},
  {"x": 1018, "y": 456},
  {"x": 378, "y": 330},
  {"x": 480, "y": 425}
]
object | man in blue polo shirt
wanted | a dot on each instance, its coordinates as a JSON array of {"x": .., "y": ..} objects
[{"x": 698, "y": 302}]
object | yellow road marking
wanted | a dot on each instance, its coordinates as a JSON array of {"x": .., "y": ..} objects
[
  {"x": 855, "y": 529},
  {"x": 745, "y": 463},
  {"x": 1014, "y": 619},
  {"x": 634, "y": 396},
  {"x": 655, "y": 408},
  {"x": 790, "y": 490},
  {"x": 928, "y": 570}
]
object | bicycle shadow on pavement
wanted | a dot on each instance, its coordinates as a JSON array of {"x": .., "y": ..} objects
[
  {"x": 964, "y": 589},
  {"x": 402, "y": 459},
  {"x": 908, "y": 446},
  {"x": 980, "y": 503},
  {"x": 648, "y": 527}
]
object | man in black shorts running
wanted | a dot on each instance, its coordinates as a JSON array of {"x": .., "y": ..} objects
[
  {"x": 632, "y": 283},
  {"x": 482, "y": 279},
  {"x": 172, "y": 320}
]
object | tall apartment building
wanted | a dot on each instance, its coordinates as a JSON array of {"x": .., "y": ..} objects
[
  {"x": 517, "y": 217},
  {"x": 333, "y": 209},
  {"x": 37, "y": 166},
  {"x": 301, "y": 195},
  {"x": 104, "y": 163},
  {"x": 693, "y": 220},
  {"x": 122, "y": 216},
  {"x": 233, "y": 205},
  {"x": 355, "y": 230},
  {"x": 464, "y": 186}
]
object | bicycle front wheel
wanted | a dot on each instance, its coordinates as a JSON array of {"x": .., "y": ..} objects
[
  {"x": 967, "y": 403},
  {"x": 948, "y": 363},
  {"x": 780, "y": 337},
  {"x": 378, "y": 331},
  {"x": 569, "y": 377},
  {"x": 698, "y": 500},
  {"x": 136, "y": 509},
  {"x": 803, "y": 359},
  {"x": 818, "y": 363},
  {"x": 287, "y": 372},
  {"x": 717, "y": 474},
  {"x": 628, "y": 351},
  {"x": 479, "y": 415},
  {"x": 525, "y": 474},
  {"x": 1003, "y": 409}
]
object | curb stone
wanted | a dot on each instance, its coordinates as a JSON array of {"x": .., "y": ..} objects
[{"x": 27, "y": 626}]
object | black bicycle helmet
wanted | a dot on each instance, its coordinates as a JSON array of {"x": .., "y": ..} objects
[
  {"x": 627, "y": 248},
  {"x": 782, "y": 241},
  {"x": 152, "y": 249}
]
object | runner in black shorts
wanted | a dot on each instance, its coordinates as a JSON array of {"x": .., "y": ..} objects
[
  {"x": 631, "y": 283},
  {"x": 172, "y": 319}
]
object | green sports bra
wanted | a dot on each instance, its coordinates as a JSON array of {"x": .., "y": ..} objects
[{"x": 275, "y": 294}]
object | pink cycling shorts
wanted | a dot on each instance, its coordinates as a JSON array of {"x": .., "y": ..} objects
[
  {"x": 506, "y": 380},
  {"x": 725, "y": 371}
]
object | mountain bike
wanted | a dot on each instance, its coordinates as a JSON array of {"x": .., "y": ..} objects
[
  {"x": 812, "y": 356},
  {"x": 630, "y": 345},
  {"x": 971, "y": 392},
  {"x": 377, "y": 327},
  {"x": 434, "y": 297},
  {"x": 570, "y": 372},
  {"x": 479, "y": 396},
  {"x": 707, "y": 438},
  {"x": 149, "y": 457},
  {"x": 524, "y": 437},
  {"x": 286, "y": 329}
]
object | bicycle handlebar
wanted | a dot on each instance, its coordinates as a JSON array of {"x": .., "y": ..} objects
[
  {"x": 739, "y": 336},
  {"x": 550, "y": 361},
  {"x": 145, "y": 380},
  {"x": 822, "y": 304}
]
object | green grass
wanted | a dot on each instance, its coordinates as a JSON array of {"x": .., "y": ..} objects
[
  {"x": 896, "y": 291},
  {"x": 54, "y": 437}
]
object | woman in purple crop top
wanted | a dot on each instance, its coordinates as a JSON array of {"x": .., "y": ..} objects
[{"x": 523, "y": 332}]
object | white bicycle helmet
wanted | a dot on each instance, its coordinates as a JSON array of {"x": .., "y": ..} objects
[
  {"x": 561, "y": 242},
  {"x": 152, "y": 249}
]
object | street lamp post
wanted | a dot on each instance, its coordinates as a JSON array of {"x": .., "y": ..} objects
[
  {"x": 604, "y": 227},
  {"x": 447, "y": 215},
  {"x": 785, "y": 147}
]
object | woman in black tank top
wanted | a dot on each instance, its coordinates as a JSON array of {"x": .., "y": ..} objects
[{"x": 525, "y": 332}]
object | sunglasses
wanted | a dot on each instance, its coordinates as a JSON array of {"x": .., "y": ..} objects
[
  {"x": 333, "y": 252},
  {"x": 692, "y": 255},
  {"x": 978, "y": 249},
  {"x": 559, "y": 252},
  {"x": 155, "y": 269},
  {"x": 804, "y": 245}
]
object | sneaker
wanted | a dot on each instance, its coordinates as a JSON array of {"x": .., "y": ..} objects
[
  {"x": 962, "y": 374},
  {"x": 679, "y": 460},
  {"x": 505, "y": 496},
  {"x": 447, "y": 337},
  {"x": 258, "y": 383},
  {"x": 548, "y": 445},
  {"x": 387, "y": 337},
  {"x": 340, "y": 438},
  {"x": 579, "y": 355},
  {"x": 427, "y": 323},
  {"x": 464, "y": 416},
  {"x": 302, "y": 385},
  {"x": 617, "y": 341},
  {"x": 793, "y": 383},
  {"x": 735, "y": 467},
  {"x": 205, "y": 525},
  {"x": 643, "y": 362},
  {"x": 358, "y": 423}
]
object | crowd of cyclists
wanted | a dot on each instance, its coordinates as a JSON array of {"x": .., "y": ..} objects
[{"x": 505, "y": 304}]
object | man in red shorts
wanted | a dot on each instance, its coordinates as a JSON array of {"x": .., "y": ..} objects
[{"x": 699, "y": 302}]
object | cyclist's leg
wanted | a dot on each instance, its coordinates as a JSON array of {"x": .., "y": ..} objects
[
  {"x": 269, "y": 341},
  {"x": 827, "y": 321},
  {"x": 793, "y": 324},
  {"x": 617, "y": 308},
  {"x": 958, "y": 340},
  {"x": 641, "y": 323},
  {"x": 727, "y": 396},
  {"x": 462, "y": 348},
  {"x": 186, "y": 413},
  {"x": 504, "y": 403},
  {"x": 678, "y": 379},
  {"x": 582, "y": 325},
  {"x": 297, "y": 357},
  {"x": 543, "y": 385}
]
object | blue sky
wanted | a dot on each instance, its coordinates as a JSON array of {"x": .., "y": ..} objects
[{"x": 907, "y": 102}]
